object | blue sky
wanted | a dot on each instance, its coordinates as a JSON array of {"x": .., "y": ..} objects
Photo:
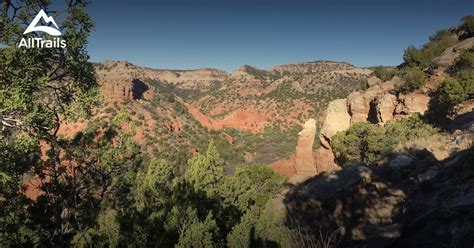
[{"x": 225, "y": 34}]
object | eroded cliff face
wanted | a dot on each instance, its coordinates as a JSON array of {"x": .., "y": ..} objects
[
  {"x": 305, "y": 163},
  {"x": 116, "y": 77},
  {"x": 337, "y": 119},
  {"x": 283, "y": 96},
  {"x": 304, "y": 160}
]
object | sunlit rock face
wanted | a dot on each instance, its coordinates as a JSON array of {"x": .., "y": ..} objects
[{"x": 304, "y": 161}]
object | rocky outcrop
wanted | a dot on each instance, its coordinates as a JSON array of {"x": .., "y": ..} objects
[
  {"x": 337, "y": 119},
  {"x": 304, "y": 161},
  {"x": 385, "y": 107},
  {"x": 112, "y": 74},
  {"x": 353, "y": 201},
  {"x": 431, "y": 205},
  {"x": 325, "y": 160},
  {"x": 378, "y": 104},
  {"x": 412, "y": 103},
  {"x": 451, "y": 53},
  {"x": 401, "y": 161},
  {"x": 117, "y": 90},
  {"x": 359, "y": 103},
  {"x": 422, "y": 198},
  {"x": 390, "y": 85},
  {"x": 358, "y": 109},
  {"x": 373, "y": 81}
]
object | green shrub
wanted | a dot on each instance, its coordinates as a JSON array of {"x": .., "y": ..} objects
[
  {"x": 369, "y": 143},
  {"x": 414, "y": 57},
  {"x": 466, "y": 78},
  {"x": 452, "y": 92},
  {"x": 468, "y": 25},
  {"x": 464, "y": 72},
  {"x": 400, "y": 132},
  {"x": 362, "y": 142},
  {"x": 384, "y": 73},
  {"x": 413, "y": 79},
  {"x": 455, "y": 90},
  {"x": 464, "y": 62}
]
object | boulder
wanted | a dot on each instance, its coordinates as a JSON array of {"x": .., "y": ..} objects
[
  {"x": 359, "y": 103},
  {"x": 390, "y": 85},
  {"x": 331, "y": 184},
  {"x": 324, "y": 159},
  {"x": 337, "y": 119},
  {"x": 357, "y": 108},
  {"x": 401, "y": 161},
  {"x": 304, "y": 160},
  {"x": 385, "y": 106},
  {"x": 411, "y": 103},
  {"x": 442, "y": 216},
  {"x": 362, "y": 205},
  {"x": 372, "y": 81},
  {"x": 427, "y": 175}
]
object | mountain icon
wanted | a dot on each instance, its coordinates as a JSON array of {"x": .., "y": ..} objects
[{"x": 47, "y": 19}]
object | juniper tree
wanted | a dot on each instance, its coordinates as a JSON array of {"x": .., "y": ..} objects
[{"x": 39, "y": 89}]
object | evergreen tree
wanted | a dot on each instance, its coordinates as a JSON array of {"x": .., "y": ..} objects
[{"x": 205, "y": 173}]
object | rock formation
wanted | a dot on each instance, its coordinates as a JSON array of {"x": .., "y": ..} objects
[
  {"x": 372, "y": 81},
  {"x": 451, "y": 53},
  {"x": 358, "y": 109},
  {"x": 117, "y": 73},
  {"x": 304, "y": 161},
  {"x": 378, "y": 104},
  {"x": 400, "y": 212},
  {"x": 325, "y": 160},
  {"x": 385, "y": 107},
  {"x": 411, "y": 103},
  {"x": 337, "y": 119},
  {"x": 359, "y": 103}
]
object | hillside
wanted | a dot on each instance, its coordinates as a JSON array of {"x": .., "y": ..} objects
[
  {"x": 255, "y": 113},
  {"x": 282, "y": 96},
  {"x": 263, "y": 110},
  {"x": 109, "y": 72}
]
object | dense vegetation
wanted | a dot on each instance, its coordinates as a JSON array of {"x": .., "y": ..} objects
[
  {"x": 412, "y": 79},
  {"x": 421, "y": 57},
  {"x": 454, "y": 90},
  {"x": 267, "y": 146},
  {"x": 99, "y": 188},
  {"x": 370, "y": 143},
  {"x": 385, "y": 73},
  {"x": 153, "y": 205}
]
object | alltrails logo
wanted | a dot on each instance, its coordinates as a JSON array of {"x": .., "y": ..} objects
[{"x": 40, "y": 42}]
